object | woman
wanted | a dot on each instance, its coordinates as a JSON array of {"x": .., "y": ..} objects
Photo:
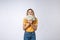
[{"x": 30, "y": 25}]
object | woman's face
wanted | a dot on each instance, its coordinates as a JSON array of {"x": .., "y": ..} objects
[{"x": 30, "y": 12}]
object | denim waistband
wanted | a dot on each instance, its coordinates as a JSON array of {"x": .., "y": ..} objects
[{"x": 29, "y": 32}]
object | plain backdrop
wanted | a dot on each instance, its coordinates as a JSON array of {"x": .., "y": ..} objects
[{"x": 12, "y": 13}]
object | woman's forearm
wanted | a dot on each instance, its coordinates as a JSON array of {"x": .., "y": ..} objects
[
  {"x": 25, "y": 26},
  {"x": 34, "y": 27}
]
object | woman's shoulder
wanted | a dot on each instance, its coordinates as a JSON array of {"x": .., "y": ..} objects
[
  {"x": 24, "y": 19},
  {"x": 36, "y": 18}
]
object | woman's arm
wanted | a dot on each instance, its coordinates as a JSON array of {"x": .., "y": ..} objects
[
  {"x": 35, "y": 24},
  {"x": 34, "y": 27},
  {"x": 25, "y": 26}
]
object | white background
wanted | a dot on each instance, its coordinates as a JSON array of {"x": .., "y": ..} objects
[{"x": 12, "y": 13}]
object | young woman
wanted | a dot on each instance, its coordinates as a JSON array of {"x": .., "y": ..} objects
[{"x": 30, "y": 25}]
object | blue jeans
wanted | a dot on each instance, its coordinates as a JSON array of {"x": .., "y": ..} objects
[{"x": 29, "y": 36}]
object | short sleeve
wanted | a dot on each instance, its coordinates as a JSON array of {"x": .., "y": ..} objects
[{"x": 24, "y": 21}]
